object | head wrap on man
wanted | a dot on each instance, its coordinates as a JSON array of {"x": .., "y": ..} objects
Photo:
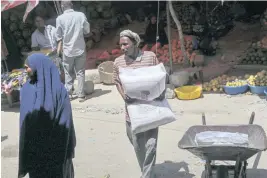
[
  {"x": 132, "y": 35},
  {"x": 66, "y": 4}
]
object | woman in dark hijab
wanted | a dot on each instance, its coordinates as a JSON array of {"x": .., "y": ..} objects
[
  {"x": 151, "y": 32},
  {"x": 47, "y": 135}
]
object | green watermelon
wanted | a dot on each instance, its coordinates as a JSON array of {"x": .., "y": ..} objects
[
  {"x": 106, "y": 14},
  {"x": 99, "y": 8},
  {"x": 5, "y": 15},
  {"x": 23, "y": 26},
  {"x": 105, "y": 4},
  {"x": 21, "y": 43},
  {"x": 26, "y": 33},
  {"x": 14, "y": 18},
  {"x": 17, "y": 34},
  {"x": 93, "y": 15},
  {"x": 29, "y": 21},
  {"x": 13, "y": 27},
  {"x": 83, "y": 9},
  {"x": 25, "y": 49},
  {"x": 7, "y": 22},
  {"x": 85, "y": 3},
  {"x": 20, "y": 9},
  {"x": 29, "y": 42},
  {"x": 90, "y": 9},
  {"x": 76, "y": 6}
]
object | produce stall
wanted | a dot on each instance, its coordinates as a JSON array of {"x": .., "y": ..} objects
[
  {"x": 102, "y": 16},
  {"x": 257, "y": 53},
  {"x": 198, "y": 21},
  {"x": 12, "y": 81},
  {"x": 190, "y": 16},
  {"x": 4, "y": 53},
  {"x": 256, "y": 83},
  {"x": 18, "y": 20},
  {"x": 264, "y": 20}
]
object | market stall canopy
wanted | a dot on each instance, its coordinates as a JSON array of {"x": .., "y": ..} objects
[{"x": 8, "y": 4}]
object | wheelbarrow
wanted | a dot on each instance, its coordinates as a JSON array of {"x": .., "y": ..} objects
[{"x": 256, "y": 142}]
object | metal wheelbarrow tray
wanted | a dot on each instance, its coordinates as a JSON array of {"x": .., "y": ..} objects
[{"x": 257, "y": 142}]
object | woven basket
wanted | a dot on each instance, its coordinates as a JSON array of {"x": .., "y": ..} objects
[{"x": 105, "y": 70}]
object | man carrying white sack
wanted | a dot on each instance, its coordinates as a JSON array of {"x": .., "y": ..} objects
[{"x": 145, "y": 143}]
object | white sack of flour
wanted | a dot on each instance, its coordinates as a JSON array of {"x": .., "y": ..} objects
[
  {"x": 146, "y": 83},
  {"x": 146, "y": 115}
]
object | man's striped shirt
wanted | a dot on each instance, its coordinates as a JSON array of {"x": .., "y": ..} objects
[{"x": 144, "y": 59}]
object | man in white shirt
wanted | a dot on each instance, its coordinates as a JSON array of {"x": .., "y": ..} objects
[
  {"x": 44, "y": 36},
  {"x": 71, "y": 29}
]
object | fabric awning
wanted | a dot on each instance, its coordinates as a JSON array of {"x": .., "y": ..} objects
[{"x": 8, "y": 4}]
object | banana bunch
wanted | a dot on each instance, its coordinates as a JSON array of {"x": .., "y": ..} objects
[
  {"x": 15, "y": 83},
  {"x": 25, "y": 79},
  {"x": 236, "y": 83},
  {"x": 251, "y": 80},
  {"x": 15, "y": 74}
]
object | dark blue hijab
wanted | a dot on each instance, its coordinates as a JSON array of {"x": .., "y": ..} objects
[
  {"x": 47, "y": 136},
  {"x": 47, "y": 92}
]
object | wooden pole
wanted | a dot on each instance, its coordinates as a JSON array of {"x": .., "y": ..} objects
[
  {"x": 207, "y": 9},
  {"x": 58, "y": 4},
  {"x": 169, "y": 35},
  {"x": 181, "y": 36}
]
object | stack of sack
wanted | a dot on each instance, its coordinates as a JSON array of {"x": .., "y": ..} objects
[{"x": 145, "y": 85}]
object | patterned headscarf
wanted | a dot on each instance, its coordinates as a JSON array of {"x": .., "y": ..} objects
[{"x": 132, "y": 35}]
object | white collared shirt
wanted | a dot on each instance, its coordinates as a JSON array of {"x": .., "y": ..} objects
[
  {"x": 71, "y": 27},
  {"x": 46, "y": 40}
]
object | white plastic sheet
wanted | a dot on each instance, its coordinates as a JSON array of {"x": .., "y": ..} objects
[
  {"x": 221, "y": 138},
  {"x": 146, "y": 83},
  {"x": 146, "y": 115}
]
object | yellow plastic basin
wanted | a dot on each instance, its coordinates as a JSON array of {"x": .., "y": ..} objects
[{"x": 188, "y": 92}]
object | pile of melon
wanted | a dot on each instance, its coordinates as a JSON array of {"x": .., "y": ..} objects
[
  {"x": 264, "y": 19},
  {"x": 21, "y": 32},
  {"x": 256, "y": 54}
]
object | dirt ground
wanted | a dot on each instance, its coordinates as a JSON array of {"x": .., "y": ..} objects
[{"x": 103, "y": 147}]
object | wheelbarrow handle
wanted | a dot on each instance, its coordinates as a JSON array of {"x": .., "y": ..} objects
[
  {"x": 251, "y": 120},
  {"x": 203, "y": 119}
]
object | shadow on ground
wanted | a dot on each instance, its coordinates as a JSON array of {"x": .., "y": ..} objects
[
  {"x": 170, "y": 169},
  {"x": 14, "y": 108},
  {"x": 263, "y": 97},
  {"x": 251, "y": 173},
  {"x": 10, "y": 151},
  {"x": 259, "y": 173},
  {"x": 3, "y": 138},
  {"x": 254, "y": 172},
  {"x": 98, "y": 93}
]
